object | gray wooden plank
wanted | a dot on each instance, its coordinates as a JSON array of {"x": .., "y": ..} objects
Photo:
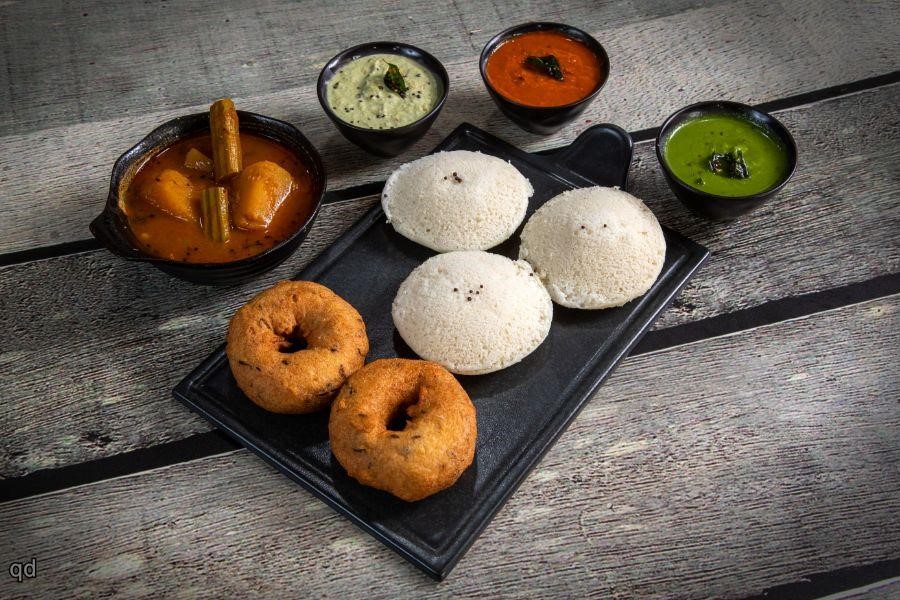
[
  {"x": 126, "y": 313},
  {"x": 742, "y": 49},
  {"x": 90, "y": 61},
  {"x": 685, "y": 478},
  {"x": 104, "y": 349}
]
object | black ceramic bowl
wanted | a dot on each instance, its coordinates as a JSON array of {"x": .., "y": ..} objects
[
  {"x": 712, "y": 206},
  {"x": 384, "y": 142},
  {"x": 543, "y": 119},
  {"x": 111, "y": 227}
]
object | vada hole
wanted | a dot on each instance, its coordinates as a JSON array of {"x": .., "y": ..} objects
[
  {"x": 400, "y": 417},
  {"x": 292, "y": 342}
]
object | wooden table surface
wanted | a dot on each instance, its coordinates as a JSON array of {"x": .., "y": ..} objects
[{"x": 750, "y": 445}]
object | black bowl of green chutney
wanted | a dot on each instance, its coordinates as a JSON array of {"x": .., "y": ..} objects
[
  {"x": 725, "y": 159},
  {"x": 383, "y": 96}
]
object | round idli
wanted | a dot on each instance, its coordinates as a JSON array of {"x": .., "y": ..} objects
[
  {"x": 472, "y": 312},
  {"x": 594, "y": 247},
  {"x": 457, "y": 200}
]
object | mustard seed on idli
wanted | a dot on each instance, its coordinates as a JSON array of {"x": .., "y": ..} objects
[
  {"x": 472, "y": 312},
  {"x": 594, "y": 247},
  {"x": 457, "y": 200}
]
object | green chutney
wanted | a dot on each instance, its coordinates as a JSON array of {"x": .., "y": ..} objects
[{"x": 691, "y": 147}]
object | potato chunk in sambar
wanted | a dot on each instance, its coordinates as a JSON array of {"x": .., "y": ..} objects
[
  {"x": 258, "y": 192},
  {"x": 172, "y": 193}
]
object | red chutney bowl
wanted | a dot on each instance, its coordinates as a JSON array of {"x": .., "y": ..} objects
[{"x": 580, "y": 55}]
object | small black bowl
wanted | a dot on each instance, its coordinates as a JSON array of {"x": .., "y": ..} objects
[
  {"x": 384, "y": 142},
  {"x": 543, "y": 120},
  {"x": 712, "y": 206},
  {"x": 112, "y": 229}
]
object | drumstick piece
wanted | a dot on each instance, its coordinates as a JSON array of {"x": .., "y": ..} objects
[
  {"x": 214, "y": 217},
  {"x": 226, "y": 142}
]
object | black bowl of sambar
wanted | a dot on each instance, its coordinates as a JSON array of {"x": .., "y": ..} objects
[{"x": 154, "y": 212}]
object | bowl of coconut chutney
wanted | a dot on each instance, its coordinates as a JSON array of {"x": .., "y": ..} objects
[{"x": 383, "y": 96}]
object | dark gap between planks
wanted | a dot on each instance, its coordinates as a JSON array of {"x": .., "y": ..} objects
[
  {"x": 845, "y": 579},
  {"x": 369, "y": 189}
]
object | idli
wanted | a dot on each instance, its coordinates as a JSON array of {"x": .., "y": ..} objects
[
  {"x": 457, "y": 200},
  {"x": 472, "y": 312},
  {"x": 594, "y": 247}
]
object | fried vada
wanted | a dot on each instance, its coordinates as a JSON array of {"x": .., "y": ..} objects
[
  {"x": 403, "y": 426},
  {"x": 265, "y": 346}
]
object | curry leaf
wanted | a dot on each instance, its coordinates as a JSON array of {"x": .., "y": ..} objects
[
  {"x": 394, "y": 80},
  {"x": 729, "y": 164},
  {"x": 548, "y": 65}
]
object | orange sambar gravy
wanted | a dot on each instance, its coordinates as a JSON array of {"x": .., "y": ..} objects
[
  {"x": 508, "y": 75},
  {"x": 164, "y": 236}
]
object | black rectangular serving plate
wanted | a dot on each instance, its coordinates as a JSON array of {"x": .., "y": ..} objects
[{"x": 521, "y": 410}]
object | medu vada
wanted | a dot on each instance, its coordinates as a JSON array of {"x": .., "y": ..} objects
[
  {"x": 265, "y": 339},
  {"x": 403, "y": 426}
]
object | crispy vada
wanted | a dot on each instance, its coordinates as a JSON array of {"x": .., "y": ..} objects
[
  {"x": 403, "y": 426},
  {"x": 265, "y": 346}
]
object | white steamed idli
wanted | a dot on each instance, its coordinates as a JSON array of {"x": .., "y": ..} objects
[
  {"x": 594, "y": 247},
  {"x": 457, "y": 200},
  {"x": 472, "y": 312}
]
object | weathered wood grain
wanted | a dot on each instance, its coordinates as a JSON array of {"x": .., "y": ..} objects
[
  {"x": 123, "y": 335},
  {"x": 112, "y": 52},
  {"x": 743, "y": 50},
  {"x": 715, "y": 469}
]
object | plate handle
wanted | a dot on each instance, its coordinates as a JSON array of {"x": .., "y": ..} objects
[{"x": 601, "y": 154}]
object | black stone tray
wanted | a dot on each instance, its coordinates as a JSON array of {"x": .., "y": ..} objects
[{"x": 521, "y": 410}]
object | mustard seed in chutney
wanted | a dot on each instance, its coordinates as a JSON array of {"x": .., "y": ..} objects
[
  {"x": 383, "y": 91},
  {"x": 726, "y": 155}
]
